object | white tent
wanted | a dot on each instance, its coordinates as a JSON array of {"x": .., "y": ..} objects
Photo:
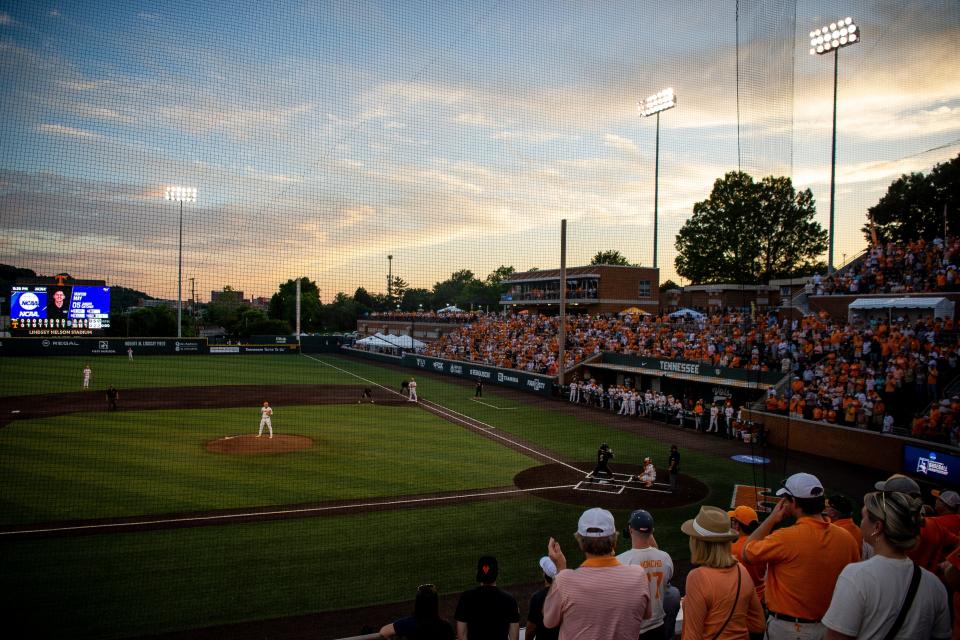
[
  {"x": 381, "y": 341},
  {"x": 450, "y": 309},
  {"x": 910, "y": 308},
  {"x": 687, "y": 313}
]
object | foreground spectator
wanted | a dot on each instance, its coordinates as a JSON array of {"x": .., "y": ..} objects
[
  {"x": 840, "y": 512},
  {"x": 487, "y": 612},
  {"x": 602, "y": 599},
  {"x": 744, "y": 521},
  {"x": 721, "y": 602},
  {"x": 425, "y": 623},
  {"x": 803, "y": 560},
  {"x": 536, "y": 630},
  {"x": 935, "y": 540},
  {"x": 869, "y": 595},
  {"x": 656, "y": 563}
]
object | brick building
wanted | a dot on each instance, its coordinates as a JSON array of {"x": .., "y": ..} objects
[{"x": 592, "y": 289}]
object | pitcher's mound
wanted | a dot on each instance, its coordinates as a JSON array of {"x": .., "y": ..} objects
[{"x": 251, "y": 445}]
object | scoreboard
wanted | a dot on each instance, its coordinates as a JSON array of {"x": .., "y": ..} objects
[{"x": 59, "y": 310}]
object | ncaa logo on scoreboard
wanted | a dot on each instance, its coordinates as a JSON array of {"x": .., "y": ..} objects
[{"x": 29, "y": 301}]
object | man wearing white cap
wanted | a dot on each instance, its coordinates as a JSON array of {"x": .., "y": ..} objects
[
  {"x": 656, "y": 563},
  {"x": 803, "y": 560},
  {"x": 603, "y": 598}
]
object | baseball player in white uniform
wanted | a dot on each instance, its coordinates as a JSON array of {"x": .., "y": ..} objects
[
  {"x": 265, "y": 414},
  {"x": 412, "y": 387},
  {"x": 87, "y": 373}
]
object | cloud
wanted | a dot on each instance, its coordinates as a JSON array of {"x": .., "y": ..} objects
[
  {"x": 59, "y": 129},
  {"x": 621, "y": 144}
]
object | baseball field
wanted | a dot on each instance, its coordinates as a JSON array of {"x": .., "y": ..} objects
[{"x": 169, "y": 514}]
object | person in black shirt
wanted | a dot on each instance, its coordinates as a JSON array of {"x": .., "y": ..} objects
[
  {"x": 673, "y": 467},
  {"x": 487, "y": 612},
  {"x": 112, "y": 395},
  {"x": 425, "y": 623},
  {"x": 478, "y": 393},
  {"x": 604, "y": 454},
  {"x": 536, "y": 630},
  {"x": 58, "y": 304}
]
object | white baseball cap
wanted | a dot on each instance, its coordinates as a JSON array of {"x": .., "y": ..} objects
[
  {"x": 549, "y": 568},
  {"x": 596, "y": 523},
  {"x": 801, "y": 485}
]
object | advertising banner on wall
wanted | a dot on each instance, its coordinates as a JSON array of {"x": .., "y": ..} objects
[
  {"x": 101, "y": 346},
  {"x": 687, "y": 369},
  {"x": 520, "y": 380}
]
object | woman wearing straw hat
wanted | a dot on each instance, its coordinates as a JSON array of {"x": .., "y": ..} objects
[{"x": 721, "y": 603}]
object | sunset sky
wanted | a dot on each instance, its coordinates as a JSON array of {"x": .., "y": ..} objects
[{"x": 323, "y": 136}]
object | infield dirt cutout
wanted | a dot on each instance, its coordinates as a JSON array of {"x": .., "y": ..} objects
[{"x": 251, "y": 445}]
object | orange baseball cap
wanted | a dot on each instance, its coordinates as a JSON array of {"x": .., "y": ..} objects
[{"x": 744, "y": 515}]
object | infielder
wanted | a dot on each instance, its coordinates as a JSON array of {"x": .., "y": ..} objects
[
  {"x": 412, "y": 389},
  {"x": 87, "y": 373},
  {"x": 265, "y": 414}
]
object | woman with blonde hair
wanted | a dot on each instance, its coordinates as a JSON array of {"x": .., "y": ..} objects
[
  {"x": 721, "y": 602},
  {"x": 888, "y": 596}
]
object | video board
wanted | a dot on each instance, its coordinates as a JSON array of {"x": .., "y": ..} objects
[
  {"x": 936, "y": 466},
  {"x": 59, "y": 310}
]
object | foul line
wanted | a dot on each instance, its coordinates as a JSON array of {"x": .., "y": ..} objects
[
  {"x": 494, "y": 406},
  {"x": 279, "y": 512},
  {"x": 465, "y": 420}
]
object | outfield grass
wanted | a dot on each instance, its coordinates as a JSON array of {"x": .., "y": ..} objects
[
  {"x": 97, "y": 465},
  {"x": 25, "y": 376},
  {"x": 101, "y": 464}
]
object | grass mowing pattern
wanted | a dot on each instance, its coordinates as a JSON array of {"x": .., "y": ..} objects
[
  {"x": 122, "y": 464},
  {"x": 27, "y": 376},
  {"x": 133, "y": 584},
  {"x": 129, "y": 584}
]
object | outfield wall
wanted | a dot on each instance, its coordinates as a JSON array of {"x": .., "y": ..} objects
[
  {"x": 140, "y": 346},
  {"x": 530, "y": 382}
]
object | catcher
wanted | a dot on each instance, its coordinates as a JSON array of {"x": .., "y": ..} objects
[{"x": 649, "y": 475}]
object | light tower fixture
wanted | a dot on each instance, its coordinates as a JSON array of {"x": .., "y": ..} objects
[
  {"x": 824, "y": 40},
  {"x": 655, "y": 105},
  {"x": 181, "y": 195}
]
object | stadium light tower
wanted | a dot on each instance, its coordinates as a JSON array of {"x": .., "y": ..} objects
[
  {"x": 181, "y": 195},
  {"x": 654, "y": 105},
  {"x": 832, "y": 38}
]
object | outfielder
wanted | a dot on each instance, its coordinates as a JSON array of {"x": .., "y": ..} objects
[
  {"x": 265, "y": 414},
  {"x": 87, "y": 372},
  {"x": 412, "y": 389}
]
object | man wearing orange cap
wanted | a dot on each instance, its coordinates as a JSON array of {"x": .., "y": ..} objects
[{"x": 744, "y": 521}]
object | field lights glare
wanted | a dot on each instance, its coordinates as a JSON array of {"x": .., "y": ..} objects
[
  {"x": 181, "y": 194},
  {"x": 834, "y": 36},
  {"x": 660, "y": 101}
]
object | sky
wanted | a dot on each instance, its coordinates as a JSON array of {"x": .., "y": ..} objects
[{"x": 324, "y": 136}]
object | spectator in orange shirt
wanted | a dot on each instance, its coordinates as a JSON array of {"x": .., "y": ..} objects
[
  {"x": 721, "y": 602},
  {"x": 936, "y": 540},
  {"x": 744, "y": 521},
  {"x": 803, "y": 560},
  {"x": 947, "y": 507},
  {"x": 840, "y": 512}
]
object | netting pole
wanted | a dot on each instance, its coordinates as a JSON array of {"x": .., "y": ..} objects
[
  {"x": 298, "y": 308},
  {"x": 563, "y": 300}
]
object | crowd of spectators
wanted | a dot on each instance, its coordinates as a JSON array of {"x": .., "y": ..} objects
[
  {"x": 449, "y": 317},
  {"x": 897, "y": 268},
  {"x": 807, "y": 570},
  {"x": 872, "y": 376}
]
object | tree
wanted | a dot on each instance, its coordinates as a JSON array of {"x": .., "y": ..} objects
[
  {"x": 415, "y": 299},
  {"x": 668, "y": 285},
  {"x": 610, "y": 257},
  {"x": 398, "y": 288},
  {"x": 226, "y": 310},
  {"x": 283, "y": 304},
  {"x": 748, "y": 232},
  {"x": 912, "y": 207},
  {"x": 451, "y": 289}
]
